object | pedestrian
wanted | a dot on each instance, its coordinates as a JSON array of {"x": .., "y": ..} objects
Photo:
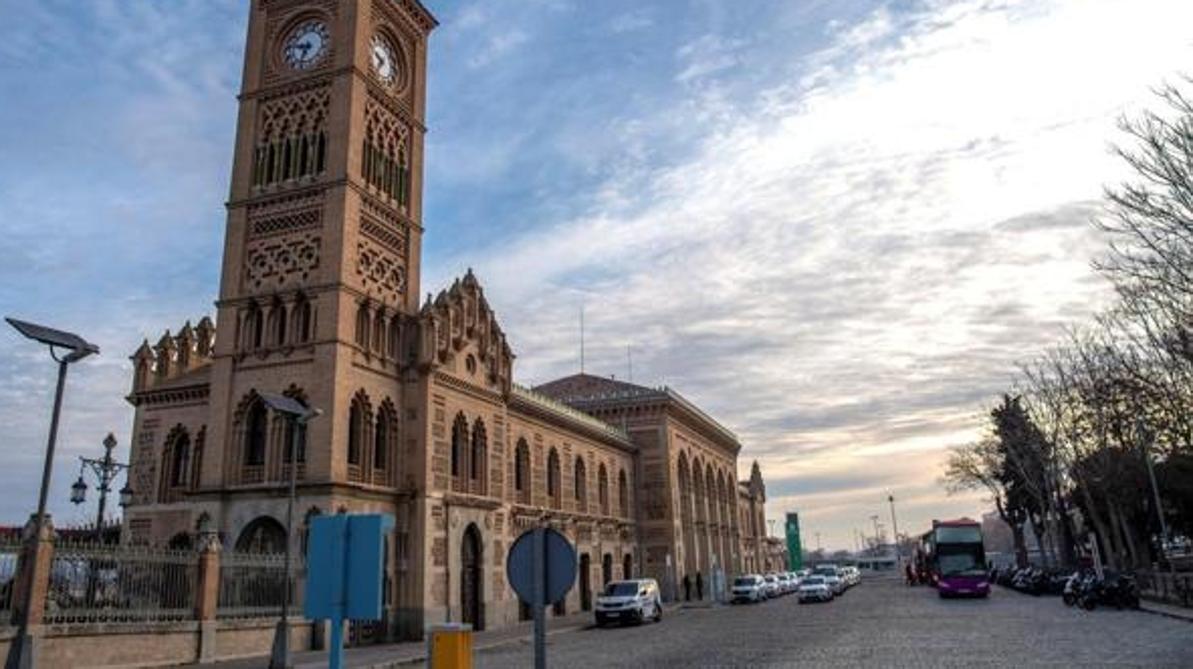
[
  {"x": 910, "y": 574},
  {"x": 699, "y": 586},
  {"x": 687, "y": 588}
]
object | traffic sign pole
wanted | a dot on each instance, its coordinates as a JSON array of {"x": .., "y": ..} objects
[{"x": 540, "y": 606}]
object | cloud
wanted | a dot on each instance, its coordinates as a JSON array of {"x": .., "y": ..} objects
[
  {"x": 836, "y": 236},
  {"x": 632, "y": 21},
  {"x": 848, "y": 265},
  {"x": 497, "y": 47}
]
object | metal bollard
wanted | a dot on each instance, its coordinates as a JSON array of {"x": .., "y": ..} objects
[{"x": 449, "y": 646}]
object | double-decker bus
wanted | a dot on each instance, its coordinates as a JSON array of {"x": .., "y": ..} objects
[{"x": 952, "y": 558}]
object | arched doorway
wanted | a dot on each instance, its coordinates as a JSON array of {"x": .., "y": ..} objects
[
  {"x": 585, "y": 586},
  {"x": 627, "y": 566},
  {"x": 471, "y": 562},
  {"x": 263, "y": 535},
  {"x": 606, "y": 569}
]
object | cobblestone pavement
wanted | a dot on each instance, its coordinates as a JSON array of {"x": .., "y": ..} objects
[{"x": 880, "y": 623}]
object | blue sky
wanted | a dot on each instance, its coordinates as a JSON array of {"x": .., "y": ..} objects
[{"x": 835, "y": 225}]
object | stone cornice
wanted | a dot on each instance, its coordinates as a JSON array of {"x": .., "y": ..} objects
[
  {"x": 197, "y": 393},
  {"x": 540, "y": 406},
  {"x": 460, "y": 385}
]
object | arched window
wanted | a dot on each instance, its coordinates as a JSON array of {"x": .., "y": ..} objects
[
  {"x": 197, "y": 458},
  {"x": 553, "y": 479},
  {"x": 379, "y": 332},
  {"x": 522, "y": 471},
  {"x": 180, "y": 458},
  {"x": 255, "y": 326},
  {"x": 623, "y": 495},
  {"x": 300, "y": 449},
  {"x": 581, "y": 487},
  {"x": 384, "y": 436},
  {"x": 302, "y": 320},
  {"x": 395, "y": 337},
  {"x": 263, "y": 535},
  {"x": 256, "y": 432},
  {"x": 359, "y": 419},
  {"x": 278, "y": 329},
  {"x": 362, "y": 326},
  {"x": 603, "y": 489},
  {"x": 478, "y": 471},
  {"x": 459, "y": 446}
]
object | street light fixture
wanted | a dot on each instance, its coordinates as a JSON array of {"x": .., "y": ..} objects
[
  {"x": 299, "y": 416},
  {"x": 105, "y": 469},
  {"x": 21, "y": 650}
]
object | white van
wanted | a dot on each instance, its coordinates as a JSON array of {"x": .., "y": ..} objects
[{"x": 629, "y": 601}]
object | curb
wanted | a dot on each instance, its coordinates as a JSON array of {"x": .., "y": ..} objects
[{"x": 1188, "y": 618}]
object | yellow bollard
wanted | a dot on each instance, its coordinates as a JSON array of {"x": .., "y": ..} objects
[{"x": 450, "y": 646}]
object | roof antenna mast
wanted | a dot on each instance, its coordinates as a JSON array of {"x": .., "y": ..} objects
[
  {"x": 629, "y": 359},
  {"x": 581, "y": 338}
]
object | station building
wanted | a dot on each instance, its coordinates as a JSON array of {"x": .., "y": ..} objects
[{"x": 319, "y": 299}]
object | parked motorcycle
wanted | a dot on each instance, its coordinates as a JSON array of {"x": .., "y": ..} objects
[{"x": 1114, "y": 589}]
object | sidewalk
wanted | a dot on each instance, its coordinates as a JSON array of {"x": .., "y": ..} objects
[
  {"x": 1169, "y": 610},
  {"x": 384, "y": 656}
]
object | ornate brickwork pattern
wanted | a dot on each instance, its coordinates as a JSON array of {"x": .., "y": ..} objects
[
  {"x": 387, "y": 237},
  {"x": 277, "y": 261},
  {"x": 379, "y": 270},
  {"x": 301, "y": 112}
]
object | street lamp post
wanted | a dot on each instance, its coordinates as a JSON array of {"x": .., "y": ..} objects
[
  {"x": 21, "y": 650},
  {"x": 299, "y": 416},
  {"x": 1151, "y": 475},
  {"x": 895, "y": 529},
  {"x": 105, "y": 469}
]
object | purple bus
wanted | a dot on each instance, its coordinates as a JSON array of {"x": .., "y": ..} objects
[{"x": 956, "y": 560}]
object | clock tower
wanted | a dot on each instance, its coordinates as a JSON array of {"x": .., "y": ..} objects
[{"x": 320, "y": 278}]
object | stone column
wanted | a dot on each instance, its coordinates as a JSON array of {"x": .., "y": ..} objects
[{"x": 207, "y": 593}]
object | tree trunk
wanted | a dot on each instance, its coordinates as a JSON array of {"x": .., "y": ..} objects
[
  {"x": 1038, "y": 530},
  {"x": 1100, "y": 526},
  {"x": 1067, "y": 541},
  {"x": 1020, "y": 544}
]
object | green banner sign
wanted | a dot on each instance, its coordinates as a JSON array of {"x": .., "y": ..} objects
[{"x": 795, "y": 556}]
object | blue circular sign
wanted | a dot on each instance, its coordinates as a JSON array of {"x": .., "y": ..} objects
[{"x": 559, "y": 566}]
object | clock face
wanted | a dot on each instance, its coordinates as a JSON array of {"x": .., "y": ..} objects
[
  {"x": 306, "y": 45},
  {"x": 384, "y": 61}
]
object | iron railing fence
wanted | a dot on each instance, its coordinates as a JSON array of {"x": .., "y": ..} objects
[
  {"x": 1167, "y": 587},
  {"x": 10, "y": 555},
  {"x": 252, "y": 585},
  {"x": 93, "y": 582}
]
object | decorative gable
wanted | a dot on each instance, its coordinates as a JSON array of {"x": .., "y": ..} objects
[{"x": 459, "y": 334}]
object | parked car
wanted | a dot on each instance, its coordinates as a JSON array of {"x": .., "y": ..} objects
[
  {"x": 771, "y": 586},
  {"x": 851, "y": 575},
  {"x": 834, "y": 581},
  {"x": 748, "y": 588},
  {"x": 786, "y": 582},
  {"x": 629, "y": 601},
  {"x": 815, "y": 589}
]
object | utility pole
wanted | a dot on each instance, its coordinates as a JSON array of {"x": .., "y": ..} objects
[{"x": 877, "y": 537}]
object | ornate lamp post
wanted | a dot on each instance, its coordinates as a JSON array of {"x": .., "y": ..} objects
[
  {"x": 299, "y": 416},
  {"x": 105, "y": 469}
]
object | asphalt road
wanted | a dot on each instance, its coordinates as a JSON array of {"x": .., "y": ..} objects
[{"x": 880, "y": 623}]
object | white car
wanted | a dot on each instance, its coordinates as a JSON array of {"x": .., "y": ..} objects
[
  {"x": 748, "y": 588},
  {"x": 786, "y": 586},
  {"x": 629, "y": 601},
  {"x": 815, "y": 589},
  {"x": 771, "y": 585},
  {"x": 832, "y": 577}
]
